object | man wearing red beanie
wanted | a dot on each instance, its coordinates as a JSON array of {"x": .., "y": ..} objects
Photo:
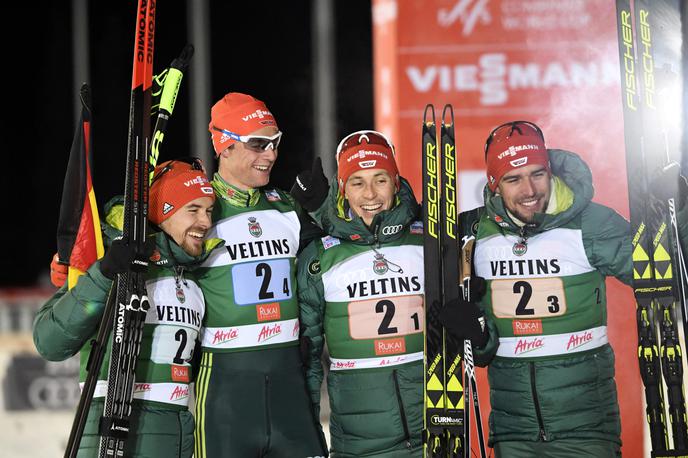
[
  {"x": 251, "y": 394},
  {"x": 180, "y": 204},
  {"x": 361, "y": 293},
  {"x": 545, "y": 249}
]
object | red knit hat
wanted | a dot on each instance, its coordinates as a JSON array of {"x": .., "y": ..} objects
[
  {"x": 512, "y": 145},
  {"x": 238, "y": 114},
  {"x": 365, "y": 149},
  {"x": 176, "y": 183}
]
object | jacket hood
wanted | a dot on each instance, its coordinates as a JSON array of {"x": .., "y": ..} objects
[
  {"x": 573, "y": 171},
  {"x": 167, "y": 252},
  {"x": 337, "y": 220}
]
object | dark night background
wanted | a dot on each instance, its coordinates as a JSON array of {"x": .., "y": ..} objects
[{"x": 261, "y": 48}]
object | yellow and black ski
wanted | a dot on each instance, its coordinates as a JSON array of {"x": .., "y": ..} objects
[
  {"x": 446, "y": 420},
  {"x": 658, "y": 270}
]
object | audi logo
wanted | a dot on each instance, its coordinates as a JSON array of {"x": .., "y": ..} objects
[
  {"x": 391, "y": 230},
  {"x": 53, "y": 393}
]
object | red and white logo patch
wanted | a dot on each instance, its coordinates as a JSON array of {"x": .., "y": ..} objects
[
  {"x": 390, "y": 346},
  {"x": 180, "y": 373},
  {"x": 523, "y": 327},
  {"x": 268, "y": 312}
]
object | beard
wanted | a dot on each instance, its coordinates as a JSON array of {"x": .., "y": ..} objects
[
  {"x": 530, "y": 216},
  {"x": 192, "y": 248}
]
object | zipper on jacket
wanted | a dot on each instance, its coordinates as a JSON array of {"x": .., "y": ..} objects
[
  {"x": 523, "y": 235},
  {"x": 543, "y": 436},
  {"x": 179, "y": 278},
  {"x": 402, "y": 412},
  {"x": 376, "y": 241}
]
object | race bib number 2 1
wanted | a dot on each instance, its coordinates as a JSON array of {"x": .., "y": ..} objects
[{"x": 386, "y": 317}]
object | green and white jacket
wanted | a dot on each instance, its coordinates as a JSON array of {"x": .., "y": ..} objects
[
  {"x": 361, "y": 291},
  {"x": 553, "y": 373},
  {"x": 250, "y": 286},
  {"x": 70, "y": 319}
]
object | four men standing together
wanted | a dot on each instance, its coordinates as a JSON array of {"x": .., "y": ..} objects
[{"x": 357, "y": 287}]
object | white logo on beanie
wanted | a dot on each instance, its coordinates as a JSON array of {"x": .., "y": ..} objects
[
  {"x": 256, "y": 114},
  {"x": 513, "y": 150},
  {"x": 198, "y": 180},
  {"x": 166, "y": 208},
  {"x": 519, "y": 162},
  {"x": 206, "y": 190},
  {"x": 363, "y": 153},
  {"x": 367, "y": 164}
]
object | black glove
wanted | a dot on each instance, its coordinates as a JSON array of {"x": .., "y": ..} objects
[
  {"x": 310, "y": 187},
  {"x": 670, "y": 183},
  {"x": 478, "y": 288},
  {"x": 465, "y": 320},
  {"x": 121, "y": 257}
]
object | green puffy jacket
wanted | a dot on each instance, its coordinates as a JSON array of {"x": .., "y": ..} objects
[
  {"x": 553, "y": 373},
  {"x": 70, "y": 319},
  {"x": 361, "y": 292}
]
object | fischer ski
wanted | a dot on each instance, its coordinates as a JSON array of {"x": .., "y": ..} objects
[
  {"x": 658, "y": 265},
  {"x": 446, "y": 418},
  {"x": 457, "y": 436},
  {"x": 434, "y": 439}
]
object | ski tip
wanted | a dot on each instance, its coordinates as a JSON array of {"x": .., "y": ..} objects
[
  {"x": 181, "y": 62},
  {"x": 431, "y": 108},
  {"x": 448, "y": 108}
]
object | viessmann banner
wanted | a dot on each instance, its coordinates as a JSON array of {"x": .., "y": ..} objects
[{"x": 552, "y": 63}]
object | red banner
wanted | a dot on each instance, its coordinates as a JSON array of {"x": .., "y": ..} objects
[{"x": 552, "y": 63}]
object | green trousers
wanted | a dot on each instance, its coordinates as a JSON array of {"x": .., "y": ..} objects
[
  {"x": 154, "y": 432},
  {"x": 254, "y": 404},
  {"x": 560, "y": 448},
  {"x": 412, "y": 452}
]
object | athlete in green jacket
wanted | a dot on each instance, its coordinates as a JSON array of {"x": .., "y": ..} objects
[
  {"x": 545, "y": 250},
  {"x": 181, "y": 200},
  {"x": 361, "y": 292},
  {"x": 251, "y": 392}
]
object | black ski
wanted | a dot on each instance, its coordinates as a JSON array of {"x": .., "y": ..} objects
[
  {"x": 434, "y": 438},
  {"x": 447, "y": 418},
  {"x": 656, "y": 281},
  {"x": 470, "y": 383},
  {"x": 458, "y": 435},
  {"x": 131, "y": 298}
]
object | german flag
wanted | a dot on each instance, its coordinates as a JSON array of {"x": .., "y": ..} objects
[{"x": 79, "y": 239}]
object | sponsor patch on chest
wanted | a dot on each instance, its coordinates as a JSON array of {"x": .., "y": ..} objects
[
  {"x": 390, "y": 346},
  {"x": 329, "y": 241},
  {"x": 272, "y": 195},
  {"x": 180, "y": 373},
  {"x": 268, "y": 312},
  {"x": 525, "y": 327}
]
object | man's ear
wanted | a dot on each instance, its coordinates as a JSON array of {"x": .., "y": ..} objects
[{"x": 226, "y": 151}]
